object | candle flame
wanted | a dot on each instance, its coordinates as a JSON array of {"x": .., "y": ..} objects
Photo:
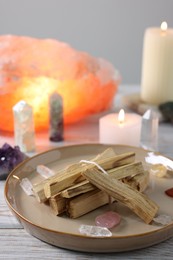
[
  {"x": 164, "y": 26},
  {"x": 121, "y": 116}
]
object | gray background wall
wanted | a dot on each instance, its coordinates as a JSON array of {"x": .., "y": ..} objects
[{"x": 112, "y": 29}]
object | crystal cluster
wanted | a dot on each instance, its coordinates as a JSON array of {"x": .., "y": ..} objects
[
  {"x": 9, "y": 158},
  {"x": 32, "y": 69}
]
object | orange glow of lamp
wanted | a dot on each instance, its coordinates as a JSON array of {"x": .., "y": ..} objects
[
  {"x": 122, "y": 128},
  {"x": 36, "y": 68}
]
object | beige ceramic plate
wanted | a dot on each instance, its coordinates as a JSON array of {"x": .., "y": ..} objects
[{"x": 63, "y": 232}]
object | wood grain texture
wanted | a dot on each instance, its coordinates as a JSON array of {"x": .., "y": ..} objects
[
  {"x": 19, "y": 245},
  {"x": 16, "y": 243},
  {"x": 7, "y": 220}
]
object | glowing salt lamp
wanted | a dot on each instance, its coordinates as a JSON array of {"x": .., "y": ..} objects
[{"x": 32, "y": 69}]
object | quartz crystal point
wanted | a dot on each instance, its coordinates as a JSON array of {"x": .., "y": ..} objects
[
  {"x": 24, "y": 126},
  {"x": 31, "y": 69},
  {"x": 149, "y": 132},
  {"x": 56, "y": 118}
]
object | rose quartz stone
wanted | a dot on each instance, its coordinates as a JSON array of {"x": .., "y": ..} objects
[
  {"x": 109, "y": 219},
  {"x": 32, "y": 69}
]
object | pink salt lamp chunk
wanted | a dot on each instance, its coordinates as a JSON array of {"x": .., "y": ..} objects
[
  {"x": 109, "y": 219},
  {"x": 32, "y": 69}
]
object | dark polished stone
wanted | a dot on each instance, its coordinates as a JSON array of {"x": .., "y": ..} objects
[{"x": 167, "y": 111}]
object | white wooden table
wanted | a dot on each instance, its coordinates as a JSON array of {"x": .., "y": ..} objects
[{"x": 16, "y": 243}]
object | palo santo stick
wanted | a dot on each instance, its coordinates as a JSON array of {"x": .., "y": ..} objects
[
  {"x": 129, "y": 170},
  {"x": 58, "y": 183},
  {"x": 77, "y": 189},
  {"x": 85, "y": 203},
  {"x": 38, "y": 188},
  {"x": 81, "y": 205},
  {"x": 138, "y": 182},
  {"x": 109, "y": 152},
  {"x": 39, "y": 192},
  {"x": 139, "y": 203},
  {"x": 57, "y": 204},
  {"x": 121, "y": 172}
]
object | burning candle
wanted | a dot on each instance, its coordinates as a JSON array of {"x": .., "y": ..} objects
[
  {"x": 157, "y": 67},
  {"x": 120, "y": 129}
]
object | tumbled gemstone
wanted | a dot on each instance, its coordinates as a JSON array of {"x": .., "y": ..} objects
[
  {"x": 159, "y": 170},
  {"x": 169, "y": 192},
  {"x": 109, "y": 219}
]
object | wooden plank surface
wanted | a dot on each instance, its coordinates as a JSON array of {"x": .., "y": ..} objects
[
  {"x": 18, "y": 244},
  {"x": 7, "y": 220}
]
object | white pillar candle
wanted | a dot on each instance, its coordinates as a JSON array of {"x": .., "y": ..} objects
[
  {"x": 157, "y": 67},
  {"x": 114, "y": 129}
]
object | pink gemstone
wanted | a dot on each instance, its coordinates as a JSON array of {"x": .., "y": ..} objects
[{"x": 108, "y": 219}]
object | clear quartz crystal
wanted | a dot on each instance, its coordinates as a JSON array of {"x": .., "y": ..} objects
[
  {"x": 95, "y": 231},
  {"x": 45, "y": 171},
  {"x": 24, "y": 132},
  {"x": 149, "y": 131},
  {"x": 27, "y": 186},
  {"x": 163, "y": 219}
]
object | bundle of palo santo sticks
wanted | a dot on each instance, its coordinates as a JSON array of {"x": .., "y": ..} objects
[{"x": 84, "y": 186}]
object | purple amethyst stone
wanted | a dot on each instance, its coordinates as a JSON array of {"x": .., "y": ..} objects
[{"x": 9, "y": 158}]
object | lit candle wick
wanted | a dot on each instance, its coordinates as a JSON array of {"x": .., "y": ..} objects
[
  {"x": 164, "y": 26},
  {"x": 121, "y": 116}
]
